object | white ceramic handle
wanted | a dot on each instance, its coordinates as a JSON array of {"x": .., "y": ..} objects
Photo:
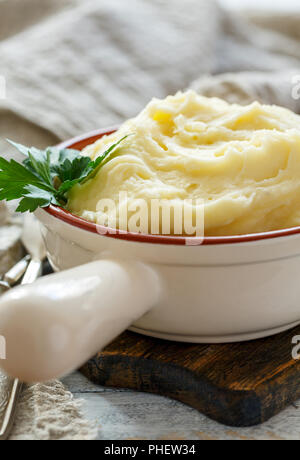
[{"x": 54, "y": 325}]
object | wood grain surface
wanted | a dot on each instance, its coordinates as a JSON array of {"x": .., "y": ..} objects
[{"x": 240, "y": 385}]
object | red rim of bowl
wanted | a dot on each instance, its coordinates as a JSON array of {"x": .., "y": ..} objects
[{"x": 86, "y": 139}]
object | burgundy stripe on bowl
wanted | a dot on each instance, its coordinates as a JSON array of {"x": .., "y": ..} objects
[{"x": 80, "y": 143}]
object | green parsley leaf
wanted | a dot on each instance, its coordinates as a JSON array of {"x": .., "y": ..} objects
[
  {"x": 14, "y": 177},
  {"x": 69, "y": 170},
  {"x": 46, "y": 176},
  {"x": 35, "y": 198}
]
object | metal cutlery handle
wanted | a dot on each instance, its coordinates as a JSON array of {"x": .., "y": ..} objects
[
  {"x": 4, "y": 286},
  {"x": 16, "y": 273},
  {"x": 34, "y": 270},
  {"x": 8, "y": 404},
  {"x": 10, "y": 396}
]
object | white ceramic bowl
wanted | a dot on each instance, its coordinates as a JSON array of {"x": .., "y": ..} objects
[{"x": 227, "y": 289}]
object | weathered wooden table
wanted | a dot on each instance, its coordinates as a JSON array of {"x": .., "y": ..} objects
[{"x": 126, "y": 415}]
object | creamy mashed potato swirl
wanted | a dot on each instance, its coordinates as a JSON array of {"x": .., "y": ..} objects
[{"x": 242, "y": 161}]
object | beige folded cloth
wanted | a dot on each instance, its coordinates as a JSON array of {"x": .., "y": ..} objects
[
  {"x": 95, "y": 63},
  {"x": 76, "y": 65},
  {"x": 280, "y": 88}
]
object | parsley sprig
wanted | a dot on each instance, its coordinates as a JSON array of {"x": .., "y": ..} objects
[{"x": 46, "y": 176}]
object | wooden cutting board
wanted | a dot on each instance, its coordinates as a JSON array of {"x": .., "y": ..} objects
[{"x": 240, "y": 385}]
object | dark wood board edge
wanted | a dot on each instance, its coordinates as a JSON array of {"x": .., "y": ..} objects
[
  {"x": 239, "y": 385},
  {"x": 232, "y": 408}
]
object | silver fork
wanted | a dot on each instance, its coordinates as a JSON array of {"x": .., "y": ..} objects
[
  {"x": 11, "y": 389},
  {"x": 32, "y": 240},
  {"x": 14, "y": 275}
]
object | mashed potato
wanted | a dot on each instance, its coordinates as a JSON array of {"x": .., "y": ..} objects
[{"x": 243, "y": 162}]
